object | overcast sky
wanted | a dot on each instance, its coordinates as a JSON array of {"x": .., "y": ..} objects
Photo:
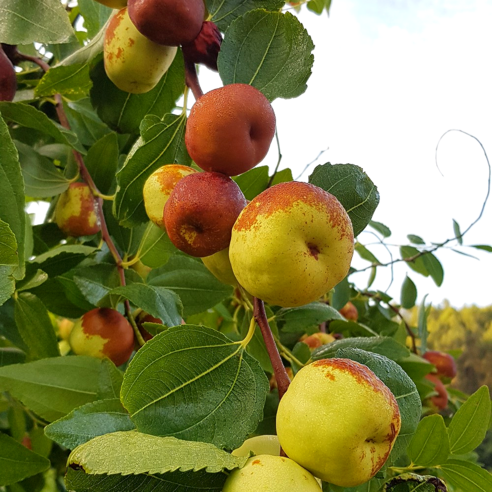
[{"x": 390, "y": 77}]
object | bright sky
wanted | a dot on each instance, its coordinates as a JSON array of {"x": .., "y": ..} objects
[{"x": 390, "y": 77}]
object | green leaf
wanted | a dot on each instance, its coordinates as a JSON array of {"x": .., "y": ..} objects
[
  {"x": 483, "y": 247},
  {"x": 12, "y": 202},
  {"x": 402, "y": 387},
  {"x": 415, "y": 239},
  {"x": 78, "y": 481},
  {"x": 381, "y": 228},
  {"x": 155, "y": 248},
  {"x": 467, "y": 476},
  {"x": 72, "y": 80},
  {"x": 123, "y": 112},
  {"x": 157, "y": 301},
  {"x": 197, "y": 288},
  {"x": 429, "y": 446},
  {"x": 353, "y": 188},
  {"x": 268, "y": 50},
  {"x": 53, "y": 387},
  {"x": 470, "y": 423},
  {"x": 386, "y": 346},
  {"x": 95, "y": 15},
  {"x": 422, "y": 324},
  {"x": 223, "y": 13},
  {"x": 253, "y": 182},
  {"x": 408, "y": 293},
  {"x": 17, "y": 462},
  {"x": 416, "y": 264},
  {"x": 223, "y": 414},
  {"x": 7, "y": 284},
  {"x": 283, "y": 176},
  {"x": 365, "y": 254},
  {"x": 126, "y": 453},
  {"x": 10, "y": 355},
  {"x": 87, "y": 52},
  {"x": 434, "y": 267},
  {"x": 34, "y": 325},
  {"x": 41, "y": 21},
  {"x": 41, "y": 177},
  {"x": 30, "y": 117},
  {"x": 62, "y": 259},
  {"x": 306, "y": 318},
  {"x": 88, "y": 421},
  {"x": 342, "y": 294},
  {"x": 411, "y": 482},
  {"x": 102, "y": 161},
  {"x": 162, "y": 142},
  {"x": 457, "y": 232},
  {"x": 8, "y": 246}
]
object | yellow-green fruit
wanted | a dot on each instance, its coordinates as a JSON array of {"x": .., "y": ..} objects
[
  {"x": 265, "y": 473},
  {"x": 219, "y": 265},
  {"x": 159, "y": 186},
  {"x": 291, "y": 244},
  {"x": 75, "y": 211},
  {"x": 265, "y": 444},
  {"x": 113, "y": 4},
  {"x": 132, "y": 62},
  {"x": 339, "y": 421}
]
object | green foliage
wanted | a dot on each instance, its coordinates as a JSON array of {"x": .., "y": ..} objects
[{"x": 168, "y": 419}]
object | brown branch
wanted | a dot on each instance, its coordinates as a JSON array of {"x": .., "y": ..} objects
[
  {"x": 87, "y": 178},
  {"x": 279, "y": 371}
]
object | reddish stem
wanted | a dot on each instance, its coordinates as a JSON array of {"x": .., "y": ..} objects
[
  {"x": 279, "y": 371},
  {"x": 191, "y": 79}
]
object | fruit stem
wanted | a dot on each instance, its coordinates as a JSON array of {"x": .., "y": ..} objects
[
  {"x": 279, "y": 371},
  {"x": 191, "y": 79}
]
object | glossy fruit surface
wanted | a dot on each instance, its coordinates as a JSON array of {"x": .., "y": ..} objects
[
  {"x": 103, "y": 332},
  {"x": 230, "y": 129},
  {"x": 75, "y": 211},
  {"x": 168, "y": 22},
  {"x": 113, "y": 4},
  {"x": 132, "y": 62},
  {"x": 265, "y": 473},
  {"x": 445, "y": 363},
  {"x": 201, "y": 211},
  {"x": 291, "y": 244},
  {"x": 339, "y": 421},
  {"x": 219, "y": 265},
  {"x": 8, "y": 79},
  {"x": 158, "y": 188}
]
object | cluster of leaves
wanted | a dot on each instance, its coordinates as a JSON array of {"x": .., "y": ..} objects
[{"x": 168, "y": 420}]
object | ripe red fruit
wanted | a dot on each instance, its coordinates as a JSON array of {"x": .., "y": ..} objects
[
  {"x": 8, "y": 79},
  {"x": 168, "y": 22},
  {"x": 103, "y": 332},
  {"x": 142, "y": 318},
  {"x": 445, "y": 363},
  {"x": 440, "y": 401},
  {"x": 201, "y": 211},
  {"x": 230, "y": 129}
]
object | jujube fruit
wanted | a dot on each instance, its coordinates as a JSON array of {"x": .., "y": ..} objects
[
  {"x": 8, "y": 79},
  {"x": 201, "y": 211},
  {"x": 338, "y": 420},
  {"x": 133, "y": 62},
  {"x": 291, "y": 244},
  {"x": 158, "y": 188},
  {"x": 445, "y": 363},
  {"x": 75, "y": 211},
  {"x": 440, "y": 400},
  {"x": 271, "y": 473},
  {"x": 103, "y": 332},
  {"x": 349, "y": 312},
  {"x": 219, "y": 265},
  {"x": 230, "y": 129},
  {"x": 168, "y": 22}
]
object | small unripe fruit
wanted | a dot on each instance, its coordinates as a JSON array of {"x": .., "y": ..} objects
[
  {"x": 349, "y": 312},
  {"x": 75, "y": 211},
  {"x": 103, "y": 332},
  {"x": 201, "y": 211},
  {"x": 132, "y": 62},
  {"x": 8, "y": 79},
  {"x": 113, "y": 4},
  {"x": 230, "y": 129},
  {"x": 158, "y": 188},
  {"x": 445, "y": 363},
  {"x": 168, "y": 22},
  {"x": 272, "y": 474}
]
